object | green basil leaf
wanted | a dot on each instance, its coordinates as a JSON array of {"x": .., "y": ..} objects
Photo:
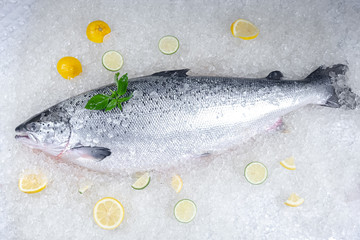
[
  {"x": 113, "y": 93},
  {"x": 111, "y": 105},
  {"x": 119, "y": 104},
  {"x": 125, "y": 98},
  {"x": 122, "y": 84},
  {"x": 98, "y": 102},
  {"x": 116, "y": 77}
]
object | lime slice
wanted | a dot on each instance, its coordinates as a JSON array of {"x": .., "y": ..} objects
[
  {"x": 255, "y": 173},
  {"x": 185, "y": 210},
  {"x": 112, "y": 60},
  {"x": 84, "y": 188},
  {"x": 168, "y": 45},
  {"x": 142, "y": 182}
]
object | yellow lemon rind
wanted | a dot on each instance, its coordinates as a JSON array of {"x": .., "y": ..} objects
[
  {"x": 294, "y": 204},
  {"x": 244, "y": 37},
  {"x": 282, "y": 163},
  {"x": 33, "y": 190},
  {"x": 179, "y": 186}
]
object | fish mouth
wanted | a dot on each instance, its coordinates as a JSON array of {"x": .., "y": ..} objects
[{"x": 24, "y": 136}]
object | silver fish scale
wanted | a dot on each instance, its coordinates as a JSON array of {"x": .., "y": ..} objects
[{"x": 170, "y": 119}]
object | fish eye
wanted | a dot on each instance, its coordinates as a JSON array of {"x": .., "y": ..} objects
[{"x": 31, "y": 127}]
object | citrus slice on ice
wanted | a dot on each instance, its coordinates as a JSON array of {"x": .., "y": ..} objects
[
  {"x": 185, "y": 210},
  {"x": 168, "y": 45},
  {"x": 84, "y": 188},
  {"x": 244, "y": 29},
  {"x": 288, "y": 163},
  {"x": 108, "y": 213},
  {"x": 142, "y": 182},
  {"x": 69, "y": 67},
  {"x": 176, "y": 183},
  {"x": 97, "y": 30},
  {"x": 112, "y": 60},
  {"x": 294, "y": 200},
  {"x": 256, "y": 173},
  {"x": 32, "y": 183}
]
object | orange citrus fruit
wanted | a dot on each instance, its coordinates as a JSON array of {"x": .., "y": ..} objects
[
  {"x": 97, "y": 30},
  {"x": 69, "y": 67}
]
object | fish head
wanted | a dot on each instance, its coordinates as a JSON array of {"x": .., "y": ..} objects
[{"x": 48, "y": 131}]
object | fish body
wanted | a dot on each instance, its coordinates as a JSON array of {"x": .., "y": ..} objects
[{"x": 172, "y": 118}]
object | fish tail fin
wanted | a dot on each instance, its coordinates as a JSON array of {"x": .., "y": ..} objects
[{"x": 335, "y": 81}]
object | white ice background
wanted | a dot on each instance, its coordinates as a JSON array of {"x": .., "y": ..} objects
[{"x": 295, "y": 37}]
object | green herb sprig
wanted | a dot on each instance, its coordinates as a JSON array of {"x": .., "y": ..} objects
[{"x": 108, "y": 102}]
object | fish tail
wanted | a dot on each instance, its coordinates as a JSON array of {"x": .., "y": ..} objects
[{"x": 335, "y": 81}]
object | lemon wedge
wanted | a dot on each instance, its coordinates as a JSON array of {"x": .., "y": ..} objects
[
  {"x": 32, "y": 183},
  {"x": 142, "y": 182},
  {"x": 84, "y": 188},
  {"x": 108, "y": 213},
  {"x": 294, "y": 200},
  {"x": 288, "y": 163},
  {"x": 176, "y": 183},
  {"x": 256, "y": 173},
  {"x": 244, "y": 29},
  {"x": 112, "y": 60},
  {"x": 185, "y": 210}
]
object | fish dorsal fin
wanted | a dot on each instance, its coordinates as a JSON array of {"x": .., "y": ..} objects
[
  {"x": 173, "y": 73},
  {"x": 322, "y": 71},
  {"x": 275, "y": 75}
]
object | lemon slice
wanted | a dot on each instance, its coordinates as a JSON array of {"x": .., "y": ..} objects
[
  {"x": 112, "y": 60},
  {"x": 142, "y": 182},
  {"x": 244, "y": 29},
  {"x": 256, "y": 173},
  {"x": 169, "y": 45},
  {"x": 176, "y": 183},
  {"x": 32, "y": 183},
  {"x": 294, "y": 200},
  {"x": 288, "y": 163},
  {"x": 108, "y": 213},
  {"x": 185, "y": 210}
]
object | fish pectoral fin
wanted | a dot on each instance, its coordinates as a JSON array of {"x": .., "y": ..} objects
[
  {"x": 173, "y": 73},
  {"x": 275, "y": 75},
  {"x": 95, "y": 153}
]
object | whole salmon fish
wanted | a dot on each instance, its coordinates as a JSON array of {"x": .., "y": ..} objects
[{"x": 173, "y": 117}]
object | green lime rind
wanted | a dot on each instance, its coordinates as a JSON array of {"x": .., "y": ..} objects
[
  {"x": 142, "y": 187},
  {"x": 169, "y": 53},
  {"x": 185, "y": 199},
  {"x": 262, "y": 180},
  {"x": 112, "y": 70}
]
